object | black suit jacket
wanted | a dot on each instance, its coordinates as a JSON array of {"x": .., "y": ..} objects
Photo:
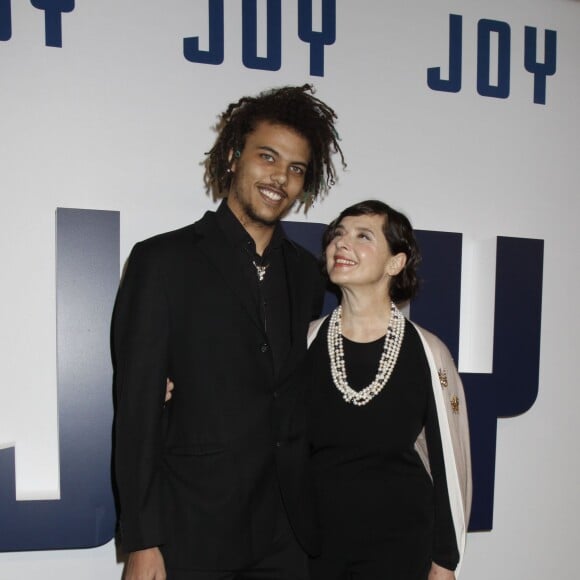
[{"x": 198, "y": 477}]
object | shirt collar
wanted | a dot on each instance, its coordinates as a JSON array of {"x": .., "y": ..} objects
[{"x": 237, "y": 234}]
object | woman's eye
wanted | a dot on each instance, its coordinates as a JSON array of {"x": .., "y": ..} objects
[{"x": 267, "y": 156}]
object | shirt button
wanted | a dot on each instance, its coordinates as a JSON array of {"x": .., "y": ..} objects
[
  {"x": 264, "y": 348},
  {"x": 278, "y": 444},
  {"x": 275, "y": 394}
]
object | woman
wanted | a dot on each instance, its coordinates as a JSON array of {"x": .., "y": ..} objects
[{"x": 377, "y": 396}]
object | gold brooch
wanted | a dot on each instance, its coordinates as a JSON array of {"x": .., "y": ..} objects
[
  {"x": 454, "y": 400},
  {"x": 443, "y": 378}
]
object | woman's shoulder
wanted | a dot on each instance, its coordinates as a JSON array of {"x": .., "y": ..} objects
[
  {"x": 314, "y": 328},
  {"x": 435, "y": 344}
]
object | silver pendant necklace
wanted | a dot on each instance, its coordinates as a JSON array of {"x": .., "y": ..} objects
[
  {"x": 260, "y": 270},
  {"x": 391, "y": 348}
]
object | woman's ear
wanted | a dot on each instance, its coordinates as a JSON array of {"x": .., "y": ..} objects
[{"x": 396, "y": 263}]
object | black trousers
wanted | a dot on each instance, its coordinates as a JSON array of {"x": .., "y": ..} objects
[
  {"x": 284, "y": 561},
  {"x": 398, "y": 559}
]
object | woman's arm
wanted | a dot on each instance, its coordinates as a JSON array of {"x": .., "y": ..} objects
[
  {"x": 446, "y": 551},
  {"x": 452, "y": 412}
]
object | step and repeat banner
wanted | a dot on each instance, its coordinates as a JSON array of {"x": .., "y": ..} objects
[{"x": 461, "y": 115}]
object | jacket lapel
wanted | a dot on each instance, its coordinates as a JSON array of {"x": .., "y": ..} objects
[
  {"x": 222, "y": 256},
  {"x": 294, "y": 281}
]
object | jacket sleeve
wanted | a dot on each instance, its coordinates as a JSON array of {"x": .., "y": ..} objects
[
  {"x": 456, "y": 408},
  {"x": 319, "y": 289},
  {"x": 140, "y": 336},
  {"x": 445, "y": 544},
  {"x": 452, "y": 413}
]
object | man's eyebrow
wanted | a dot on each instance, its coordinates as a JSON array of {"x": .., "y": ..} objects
[{"x": 269, "y": 149}]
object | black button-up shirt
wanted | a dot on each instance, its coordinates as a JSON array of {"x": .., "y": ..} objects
[{"x": 270, "y": 296}]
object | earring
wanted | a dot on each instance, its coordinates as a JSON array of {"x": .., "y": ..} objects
[{"x": 237, "y": 154}]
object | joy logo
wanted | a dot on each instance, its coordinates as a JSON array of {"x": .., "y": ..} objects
[
  {"x": 272, "y": 60},
  {"x": 316, "y": 27},
  {"x": 87, "y": 276},
  {"x": 496, "y": 83},
  {"x": 87, "y": 273},
  {"x": 53, "y": 11}
]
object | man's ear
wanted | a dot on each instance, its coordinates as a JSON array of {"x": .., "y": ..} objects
[
  {"x": 231, "y": 161},
  {"x": 396, "y": 263},
  {"x": 233, "y": 156}
]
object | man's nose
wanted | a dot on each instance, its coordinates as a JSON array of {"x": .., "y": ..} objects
[{"x": 280, "y": 177}]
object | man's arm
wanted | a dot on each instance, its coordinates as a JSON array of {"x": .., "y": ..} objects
[{"x": 140, "y": 348}]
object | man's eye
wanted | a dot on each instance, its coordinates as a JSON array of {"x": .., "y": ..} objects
[
  {"x": 267, "y": 156},
  {"x": 297, "y": 169}
]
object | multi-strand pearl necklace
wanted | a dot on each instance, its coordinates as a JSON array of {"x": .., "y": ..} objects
[{"x": 391, "y": 347}]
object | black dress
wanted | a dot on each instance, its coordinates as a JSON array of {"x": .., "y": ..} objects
[{"x": 380, "y": 514}]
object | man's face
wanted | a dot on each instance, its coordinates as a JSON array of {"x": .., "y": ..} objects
[{"x": 268, "y": 176}]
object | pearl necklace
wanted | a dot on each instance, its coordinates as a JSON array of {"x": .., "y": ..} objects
[{"x": 391, "y": 348}]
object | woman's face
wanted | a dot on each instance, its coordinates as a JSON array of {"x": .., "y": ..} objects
[{"x": 358, "y": 254}]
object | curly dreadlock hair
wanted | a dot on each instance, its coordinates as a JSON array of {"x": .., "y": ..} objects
[{"x": 294, "y": 107}]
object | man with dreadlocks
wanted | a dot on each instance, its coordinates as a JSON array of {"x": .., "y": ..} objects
[{"x": 210, "y": 485}]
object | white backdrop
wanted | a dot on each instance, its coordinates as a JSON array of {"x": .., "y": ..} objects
[{"x": 118, "y": 119}]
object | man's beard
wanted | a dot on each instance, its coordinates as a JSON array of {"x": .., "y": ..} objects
[
  {"x": 258, "y": 219},
  {"x": 254, "y": 217}
]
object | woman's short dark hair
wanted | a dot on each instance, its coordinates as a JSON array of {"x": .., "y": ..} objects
[
  {"x": 400, "y": 238},
  {"x": 294, "y": 107}
]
